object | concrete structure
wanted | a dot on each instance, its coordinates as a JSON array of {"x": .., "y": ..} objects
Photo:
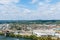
[
  {"x": 43, "y": 32},
  {"x": 57, "y": 35}
]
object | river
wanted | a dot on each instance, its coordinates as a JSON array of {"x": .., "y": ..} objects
[{"x": 9, "y": 38}]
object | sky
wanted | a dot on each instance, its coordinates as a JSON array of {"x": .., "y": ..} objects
[{"x": 29, "y": 9}]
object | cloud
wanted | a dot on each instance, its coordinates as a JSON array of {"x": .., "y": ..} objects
[
  {"x": 44, "y": 10},
  {"x": 10, "y": 11},
  {"x": 8, "y": 1},
  {"x": 13, "y": 12},
  {"x": 48, "y": 11},
  {"x": 48, "y": 1},
  {"x": 26, "y": 11},
  {"x": 34, "y": 1},
  {"x": 37, "y": 1}
]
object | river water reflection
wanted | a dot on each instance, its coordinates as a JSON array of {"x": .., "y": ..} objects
[{"x": 9, "y": 38}]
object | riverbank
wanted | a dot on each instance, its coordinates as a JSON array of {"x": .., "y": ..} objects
[
  {"x": 32, "y": 37},
  {"x": 10, "y": 38}
]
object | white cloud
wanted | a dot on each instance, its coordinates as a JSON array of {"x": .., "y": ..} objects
[
  {"x": 26, "y": 11},
  {"x": 44, "y": 10},
  {"x": 8, "y": 1},
  {"x": 48, "y": 0},
  {"x": 10, "y": 11},
  {"x": 34, "y": 1},
  {"x": 48, "y": 11},
  {"x": 37, "y": 1}
]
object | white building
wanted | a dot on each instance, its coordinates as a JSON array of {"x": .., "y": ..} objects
[
  {"x": 43, "y": 32},
  {"x": 57, "y": 35}
]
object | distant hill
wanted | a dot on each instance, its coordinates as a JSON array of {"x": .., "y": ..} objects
[{"x": 31, "y": 21}]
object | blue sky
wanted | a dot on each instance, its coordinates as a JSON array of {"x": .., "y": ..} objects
[{"x": 29, "y": 9}]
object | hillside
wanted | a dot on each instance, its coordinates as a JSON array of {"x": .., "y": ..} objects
[{"x": 31, "y": 21}]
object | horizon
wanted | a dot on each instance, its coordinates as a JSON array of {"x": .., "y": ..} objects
[{"x": 20, "y": 20}]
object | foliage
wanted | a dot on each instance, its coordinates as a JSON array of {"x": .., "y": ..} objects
[
  {"x": 1, "y": 33},
  {"x": 32, "y": 37},
  {"x": 11, "y": 35}
]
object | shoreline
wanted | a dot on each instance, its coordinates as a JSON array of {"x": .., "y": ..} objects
[{"x": 32, "y": 37}]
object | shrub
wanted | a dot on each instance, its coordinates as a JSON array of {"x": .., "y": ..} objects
[
  {"x": 1, "y": 33},
  {"x": 11, "y": 35}
]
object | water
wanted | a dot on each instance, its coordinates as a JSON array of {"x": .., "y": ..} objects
[{"x": 9, "y": 38}]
